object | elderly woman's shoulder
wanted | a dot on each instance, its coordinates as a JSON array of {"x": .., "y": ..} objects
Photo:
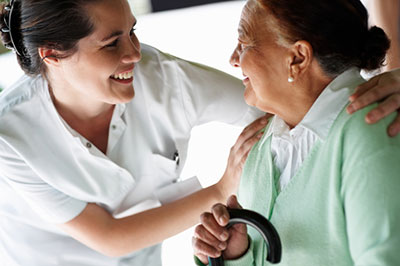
[{"x": 355, "y": 133}]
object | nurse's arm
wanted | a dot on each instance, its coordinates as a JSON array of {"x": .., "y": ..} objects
[{"x": 99, "y": 230}]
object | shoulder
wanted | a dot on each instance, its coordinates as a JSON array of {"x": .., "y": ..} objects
[
  {"x": 358, "y": 140},
  {"x": 20, "y": 94}
]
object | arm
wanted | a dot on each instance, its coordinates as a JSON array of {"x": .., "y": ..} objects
[
  {"x": 97, "y": 229},
  {"x": 386, "y": 14},
  {"x": 370, "y": 193}
]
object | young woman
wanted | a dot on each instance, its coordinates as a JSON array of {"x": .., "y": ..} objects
[{"x": 96, "y": 134}]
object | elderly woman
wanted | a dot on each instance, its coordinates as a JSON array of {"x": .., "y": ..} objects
[{"x": 328, "y": 184}]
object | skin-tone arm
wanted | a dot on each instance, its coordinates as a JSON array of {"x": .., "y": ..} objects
[
  {"x": 97, "y": 229},
  {"x": 384, "y": 88},
  {"x": 386, "y": 14}
]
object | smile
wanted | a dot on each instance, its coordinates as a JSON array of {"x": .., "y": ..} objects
[{"x": 123, "y": 76}]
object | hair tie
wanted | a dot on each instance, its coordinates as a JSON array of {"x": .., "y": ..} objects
[{"x": 8, "y": 26}]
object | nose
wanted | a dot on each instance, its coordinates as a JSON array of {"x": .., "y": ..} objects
[
  {"x": 132, "y": 52},
  {"x": 234, "y": 60}
]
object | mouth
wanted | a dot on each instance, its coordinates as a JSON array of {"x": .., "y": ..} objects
[{"x": 125, "y": 77}]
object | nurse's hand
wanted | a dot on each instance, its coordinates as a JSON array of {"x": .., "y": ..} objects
[
  {"x": 238, "y": 154},
  {"x": 384, "y": 88},
  {"x": 211, "y": 238}
]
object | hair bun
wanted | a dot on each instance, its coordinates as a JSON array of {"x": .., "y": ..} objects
[{"x": 375, "y": 46}]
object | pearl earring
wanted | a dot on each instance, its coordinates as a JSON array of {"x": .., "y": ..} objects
[{"x": 290, "y": 79}]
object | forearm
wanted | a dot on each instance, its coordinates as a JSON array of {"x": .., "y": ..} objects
[
  {"x": 386, "y": 14},
  {"x": 97, "y": 229}
]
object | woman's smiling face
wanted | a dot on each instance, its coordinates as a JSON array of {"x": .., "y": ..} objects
[
  {"x": 261, "y": 58},
  {"x": 103, "y": 65}
]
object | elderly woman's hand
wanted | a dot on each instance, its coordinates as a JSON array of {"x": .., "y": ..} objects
[
  {"x": 211, "y": 238},
  {"x": 384, "y": 87}
]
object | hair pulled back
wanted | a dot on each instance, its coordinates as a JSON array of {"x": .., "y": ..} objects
[
  {"x": 52, "y": 24},
  {"x": 336, "y": 29}
]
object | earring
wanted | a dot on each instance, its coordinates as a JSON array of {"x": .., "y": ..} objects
[{"x": 290, "y": 79}]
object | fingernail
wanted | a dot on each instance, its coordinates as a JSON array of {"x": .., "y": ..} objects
[
  {"x": 370, "y": 118},
  {"x": 223, "y": 219},
  {"x": 224, "y": 236},
  {"x": 222, "y": 245},
  {"x": 350, "y": 109}
]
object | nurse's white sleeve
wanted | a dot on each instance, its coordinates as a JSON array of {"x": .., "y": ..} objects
[
  {"x": 211, "y": 95},
  {"x": 51, "y": 204}
]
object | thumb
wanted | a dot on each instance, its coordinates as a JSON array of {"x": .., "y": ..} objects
[{"x": 233, "y": 203}]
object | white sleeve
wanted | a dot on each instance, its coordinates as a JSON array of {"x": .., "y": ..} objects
[
  {"x": 51, "y": 204},
  {"x": 211, "y": 95}
]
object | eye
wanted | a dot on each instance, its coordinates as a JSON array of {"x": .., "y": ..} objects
[{"x": 113, "y": 44}]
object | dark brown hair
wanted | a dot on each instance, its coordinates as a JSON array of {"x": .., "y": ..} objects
[
  {"x": 53, "y": 24},
  {"x": 336, "y": 29}
]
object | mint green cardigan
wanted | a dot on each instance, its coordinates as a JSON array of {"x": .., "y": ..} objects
[{"x": 343, "y": 205}]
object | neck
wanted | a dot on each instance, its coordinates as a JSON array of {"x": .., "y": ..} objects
[
  {"x": 305, "y": 92},
  {"x": 90, "y": 118}
]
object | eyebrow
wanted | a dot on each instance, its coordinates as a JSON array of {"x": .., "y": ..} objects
[{"x": 116, "y": 33}]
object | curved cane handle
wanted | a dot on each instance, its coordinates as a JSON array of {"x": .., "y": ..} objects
[{"x": 263, "y": 226}]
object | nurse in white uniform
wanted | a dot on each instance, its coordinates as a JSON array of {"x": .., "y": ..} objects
[{"x": 94, "y": 137}]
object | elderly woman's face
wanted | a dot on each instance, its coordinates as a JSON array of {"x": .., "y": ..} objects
[{"x": 261, "y": 58}]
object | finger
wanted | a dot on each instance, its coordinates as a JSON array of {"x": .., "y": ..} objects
[
  {"x": 251, "y": 130},
  {"x": 385, "y": 108},
  {"x": 233, "y": 203},
  {"x": 366, "y": 86},
  {"x": 240, "y": 228},
  {"x": 202, "y": 250},
  {"x": 202, "y": 258},
  {"x": 394, "y": 127},
  {"x": 200, "y": 232},
  {"x": 243, "y": 152},
  {"x": 220, "y": 213},
  {"x": 211, "y": 225},
  {"x": 372, "y": 96}
]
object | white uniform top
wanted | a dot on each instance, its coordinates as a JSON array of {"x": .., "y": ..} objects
[{"x": 48, "y": 172}]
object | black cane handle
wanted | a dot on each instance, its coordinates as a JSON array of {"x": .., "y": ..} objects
[{"x": 263, "y": 226}]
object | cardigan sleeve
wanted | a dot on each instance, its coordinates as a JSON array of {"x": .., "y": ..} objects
[{"x": 371, "y": 193}]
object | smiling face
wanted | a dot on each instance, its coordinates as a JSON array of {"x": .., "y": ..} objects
[
  {"x": 262, "y": 59},
  {"x": 101, "y": 70}
]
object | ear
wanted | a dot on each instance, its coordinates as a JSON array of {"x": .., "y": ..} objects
[
  {"x": 301, "y": 56},
  {"x": 49, "y": 56}
]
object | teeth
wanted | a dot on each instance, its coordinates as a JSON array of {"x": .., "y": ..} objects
[{"x": 126, "y": 75}]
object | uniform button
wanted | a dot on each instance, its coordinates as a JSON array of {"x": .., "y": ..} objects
[
  {"x": 88, "y": 144},
  {"x": 114, "y": 127}
]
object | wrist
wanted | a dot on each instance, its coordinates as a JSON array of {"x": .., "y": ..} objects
[{"x": 225, "y": 187}]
